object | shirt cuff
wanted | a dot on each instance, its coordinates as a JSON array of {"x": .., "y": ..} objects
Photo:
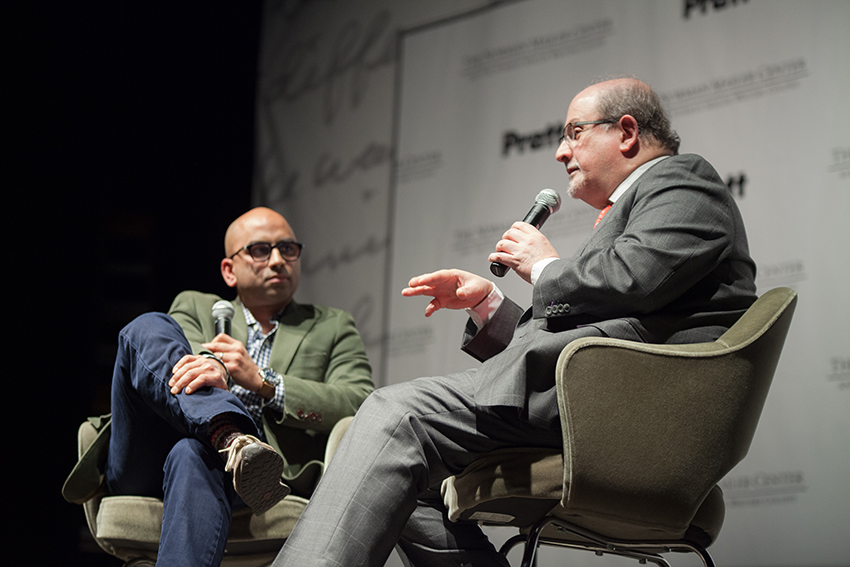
[
  {"x": 481, "y": 313},
  {"x": 277, "y": 401},
  {"x": 537, "y": 269}
]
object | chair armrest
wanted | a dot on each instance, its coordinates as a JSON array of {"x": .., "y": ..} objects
[
  {"x": 335, "y": 437},
  {"x": 86, "y": 478}
]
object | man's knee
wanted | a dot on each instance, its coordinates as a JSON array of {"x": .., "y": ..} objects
[
  {"x": 147, "y": 325},
  {"x": 417, "y": 397},
  {"x": 391, "y": 400}
]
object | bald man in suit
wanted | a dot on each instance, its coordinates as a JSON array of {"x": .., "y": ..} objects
[{"x": 668, "y": 262}]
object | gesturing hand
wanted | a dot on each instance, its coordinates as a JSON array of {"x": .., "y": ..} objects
[{"x": 450, "y": 289}]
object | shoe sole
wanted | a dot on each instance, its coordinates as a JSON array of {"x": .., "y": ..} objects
[{"x": 259, "y": 482}]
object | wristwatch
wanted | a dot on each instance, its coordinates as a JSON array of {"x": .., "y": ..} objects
[{"x": 270, "y": 381}]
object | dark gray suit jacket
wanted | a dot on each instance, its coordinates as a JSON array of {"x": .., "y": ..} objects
[{"x": 669, "y": 263}]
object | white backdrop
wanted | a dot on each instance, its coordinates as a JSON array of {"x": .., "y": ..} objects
[{"x": 472, "y": 101}]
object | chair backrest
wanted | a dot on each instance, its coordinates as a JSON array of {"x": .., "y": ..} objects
[
  {"x": 649, "y": 430},
  {"x": 757, "y": 339}
]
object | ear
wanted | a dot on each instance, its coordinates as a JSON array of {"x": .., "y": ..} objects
[
  {"x": 628, "y": 134},
  {"x": 227, "y": 272}
]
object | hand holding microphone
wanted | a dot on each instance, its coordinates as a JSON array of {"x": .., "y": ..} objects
[
  {"x": 193, "y": 372},
  {"x": 229, "y": 351},
  {"x": 546, "y": 203}
]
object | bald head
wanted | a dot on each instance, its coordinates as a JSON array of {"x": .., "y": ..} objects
[
  {"x": 264, "y": 286},
  {"x": 240, "y": 231},
  {"x": 633, "y": 97}
]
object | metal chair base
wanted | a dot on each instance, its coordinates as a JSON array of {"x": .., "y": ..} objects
[{"x": 599, "y": 545}]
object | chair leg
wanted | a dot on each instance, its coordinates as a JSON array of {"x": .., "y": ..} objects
[
  {"x": 513, "y": 542},
  {"x": 701, "y": 551},
  {"x": 529, "y": 556}
]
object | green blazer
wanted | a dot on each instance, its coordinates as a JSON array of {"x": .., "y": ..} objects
[{"x": 326, "y": 376}]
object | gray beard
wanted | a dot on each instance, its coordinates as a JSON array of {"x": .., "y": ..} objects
[{"x": 572, "y": 188}]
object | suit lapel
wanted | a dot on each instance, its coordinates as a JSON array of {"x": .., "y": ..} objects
[
  {"x": 294, "y": 325},
  {"x": 239, "y": 326},
  {"x": 620, "y": 209}
]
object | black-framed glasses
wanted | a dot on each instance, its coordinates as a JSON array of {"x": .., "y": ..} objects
[
  {"x": 261, "y": 251},
  {"x": 570, "y": 128}
]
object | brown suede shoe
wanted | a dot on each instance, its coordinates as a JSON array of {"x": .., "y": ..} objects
[{"x": 256, "y": 472}]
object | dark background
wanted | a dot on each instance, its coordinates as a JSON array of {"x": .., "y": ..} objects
[{"x": 131, "y": 129}]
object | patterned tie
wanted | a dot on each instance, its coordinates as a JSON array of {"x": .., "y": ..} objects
[{"x": 601, "y": 214}]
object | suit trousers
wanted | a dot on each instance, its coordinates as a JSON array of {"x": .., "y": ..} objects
[
  {"x": 382, "y": 486},
  {"x": 159, "y": 444}
]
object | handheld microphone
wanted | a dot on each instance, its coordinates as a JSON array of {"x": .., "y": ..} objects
[
  {"x": 222, "y": 313},
  {"x": 547, "y": 202}
]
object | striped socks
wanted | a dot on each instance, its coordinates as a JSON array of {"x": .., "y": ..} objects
[{"x": 223, "y": 430}]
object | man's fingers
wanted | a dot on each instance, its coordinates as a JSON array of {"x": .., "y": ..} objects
[{"x": 193, "y": 374}]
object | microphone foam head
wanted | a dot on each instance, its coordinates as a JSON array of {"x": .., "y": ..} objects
[
  {"x": 222, "y": 309},
  {"x": 549, "y": 198}
]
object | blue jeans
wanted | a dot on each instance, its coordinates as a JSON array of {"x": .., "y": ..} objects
[{"x": 160, "y": 447}]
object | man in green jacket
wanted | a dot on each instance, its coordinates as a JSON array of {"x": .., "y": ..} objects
[{"x": 210, "y": 421}]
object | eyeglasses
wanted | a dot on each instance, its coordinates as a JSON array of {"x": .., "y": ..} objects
[
  {"x": 261, "y": 251},
  {"x": 570, "y": 129}
]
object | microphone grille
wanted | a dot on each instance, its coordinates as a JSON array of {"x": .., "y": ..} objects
[
  {"x": 549, "y": 198},
  {"x": 222, "y": 309}
]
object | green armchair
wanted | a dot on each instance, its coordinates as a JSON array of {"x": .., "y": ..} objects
[{"x": 649, "y": 431}]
